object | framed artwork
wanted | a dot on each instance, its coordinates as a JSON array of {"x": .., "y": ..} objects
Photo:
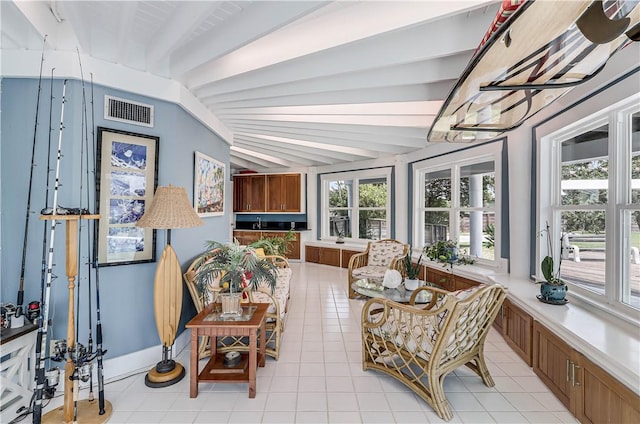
[
  {"x": 126, "y": 179},
  {"x": 208, "y": 186}
]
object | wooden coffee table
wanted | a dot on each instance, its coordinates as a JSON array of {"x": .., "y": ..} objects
[{"x": 209, "y": 323}]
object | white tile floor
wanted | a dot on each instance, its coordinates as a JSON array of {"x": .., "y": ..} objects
[{"x": 319, "y": 377}]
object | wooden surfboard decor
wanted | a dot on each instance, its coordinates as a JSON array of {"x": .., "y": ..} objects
[
  {"x": 167, "y": 296},
  {"x": 535, "y": 52}
]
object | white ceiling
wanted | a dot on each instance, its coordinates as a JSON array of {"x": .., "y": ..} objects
[{"x": 290, "y": 84}]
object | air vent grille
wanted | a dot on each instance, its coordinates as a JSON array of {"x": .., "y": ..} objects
[{"x": 122, "y": 110}]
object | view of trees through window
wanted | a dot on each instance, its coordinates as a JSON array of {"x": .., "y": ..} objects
[
  {"x": 365, "y": 198},
  {"x": 466, "y": 214},
  {"x": 597, "y": 205}
]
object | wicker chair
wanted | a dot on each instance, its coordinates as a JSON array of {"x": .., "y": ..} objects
[
  {"x": 276, "y": 314},
  {"x": 379, "y": 256},
  {"x": 419, "y": 346}
]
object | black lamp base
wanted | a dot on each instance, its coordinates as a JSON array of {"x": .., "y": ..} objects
[{"x": 165, "y": 373}]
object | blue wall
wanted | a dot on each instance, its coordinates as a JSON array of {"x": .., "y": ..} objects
[{"x": 126, "y": 291}]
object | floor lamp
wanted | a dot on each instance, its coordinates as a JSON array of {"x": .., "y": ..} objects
[{"x": 170, "y": 208}]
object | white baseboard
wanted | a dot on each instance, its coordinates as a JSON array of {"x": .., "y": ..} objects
[{"x": 115, "y": 369}]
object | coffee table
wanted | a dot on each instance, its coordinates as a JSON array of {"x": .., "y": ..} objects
[
  {"x": 374, "y": 289},
  {"x": 210, "y": 323}
]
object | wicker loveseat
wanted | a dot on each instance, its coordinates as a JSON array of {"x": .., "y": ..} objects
[
  {"x": 379, "y": 256},
  {"x": 276, "y": 314},
  {"x": 419, "y": 346}
]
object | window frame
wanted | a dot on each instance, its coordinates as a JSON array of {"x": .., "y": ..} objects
[
  {"x": 487, "y": 152},
  {"x": 549, "y": 174},
  {"x": 354, "y": 176}
]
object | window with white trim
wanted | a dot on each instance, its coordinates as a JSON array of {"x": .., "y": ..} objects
[
  {"x": 593, "y": 204},
  {"x": 356, "y": 205},
  {"x": 457, "y": 199}
]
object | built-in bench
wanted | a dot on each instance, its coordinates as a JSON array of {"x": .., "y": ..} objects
[{"x": 569, "y": 246}]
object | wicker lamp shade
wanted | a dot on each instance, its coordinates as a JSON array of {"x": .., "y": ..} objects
[{"x": 170, "y": 208}]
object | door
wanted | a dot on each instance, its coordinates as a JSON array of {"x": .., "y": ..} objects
[
  {"x": 552, "y": 362},
  {"x": 517, "y": 327}
]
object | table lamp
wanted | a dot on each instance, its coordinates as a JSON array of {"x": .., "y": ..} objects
[{"x": 170, "y": 208}]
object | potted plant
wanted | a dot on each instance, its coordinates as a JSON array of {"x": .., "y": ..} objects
[
  {"x": 275, "y": 245},
  {"x": 412, "y": 272},
  {"x": 232, "y": 268},
  {"x": 553, "y": 290},
  {"x": 448, "y": 253}
]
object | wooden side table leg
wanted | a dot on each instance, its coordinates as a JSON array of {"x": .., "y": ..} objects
[
  {"x": 263, "y": 342},
  {"x": 253, "y": 361},
  {"x": 193, "y": 372}
]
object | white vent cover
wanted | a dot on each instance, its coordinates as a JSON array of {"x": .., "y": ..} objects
[{"x": 122, "y": 110}]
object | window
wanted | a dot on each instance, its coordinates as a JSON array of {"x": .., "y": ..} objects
[
  {"x": 593, "y": 205},
  {"x": 457, "y": 201},
  {"x": 356, "y": 205}
]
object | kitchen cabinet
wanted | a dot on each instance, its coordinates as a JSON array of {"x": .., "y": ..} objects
[
  {"x": 249, "y": 236},
  {"x": 283, "y": 193},
  {"x": 249, "y": 193},
  {"x": 294, "y": 246},
  {"x": 267, "y": 193},
  {"x": 589, "y": 392},
  {"x": 246, "y": 237}
]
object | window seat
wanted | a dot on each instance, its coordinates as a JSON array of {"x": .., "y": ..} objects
[{"x": 609, "y": 342}]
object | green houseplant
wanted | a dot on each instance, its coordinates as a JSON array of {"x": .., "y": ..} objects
[
  {"x": 232, "y": 267},
  {"x": 275, "y": 245},
  {"x": 554, "y": 289},
  {"x": 448, "y": 253},
  {"x": 412, "y": 271}
]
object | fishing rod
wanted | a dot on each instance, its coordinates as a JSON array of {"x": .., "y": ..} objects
[
  {"x": 26, "y": 224},
  {"x": 99, "y": 351},
  {"x": 41, "y": 341},
  {"x": 84, "y": 361}
]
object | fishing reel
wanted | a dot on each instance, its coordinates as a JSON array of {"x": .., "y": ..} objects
[
  {"x": 52, "y": 378},
  {"x": 33, "y": 311},
  {"x": 59, "y": 350}
]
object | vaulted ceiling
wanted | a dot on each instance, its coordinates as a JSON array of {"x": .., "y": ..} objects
[{"x": 291, "y": 84}]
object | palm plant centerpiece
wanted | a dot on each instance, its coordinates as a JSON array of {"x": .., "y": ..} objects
[{"x": 232, "y": 268}]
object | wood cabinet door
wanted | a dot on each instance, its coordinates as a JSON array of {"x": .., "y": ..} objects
[
  {"x": 241, "y": 193},
  {"x": 602, "y": 399},
  {"x": 440, "y": 278},
  {"x": 552, "y": 362},
  {"x": 462, "y": 283},
  {"x": 517, "y": 330},
  {"x": 274, "y": 193},
  {"x": 283, "y": 193},
  {"x": 257, "y": 193},
  {"x": 294, "y": 248},
  {"x": 291, "y": 193},
  {"x": 312, "y": 254},
  {"x": 246, "y": 237},
  {"x": 346, "y": 257},
  {"x": 329, "y": 256}
]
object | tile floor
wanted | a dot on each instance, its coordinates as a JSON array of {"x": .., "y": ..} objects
[{"x": 319, "y": 377}]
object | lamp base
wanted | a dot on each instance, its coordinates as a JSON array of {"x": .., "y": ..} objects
[{"x": 165, "y": 373}]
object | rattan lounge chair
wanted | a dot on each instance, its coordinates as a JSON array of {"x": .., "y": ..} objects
[
  {"x": 419, "y": 346},
  {"x": 379, "y": 256}
]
